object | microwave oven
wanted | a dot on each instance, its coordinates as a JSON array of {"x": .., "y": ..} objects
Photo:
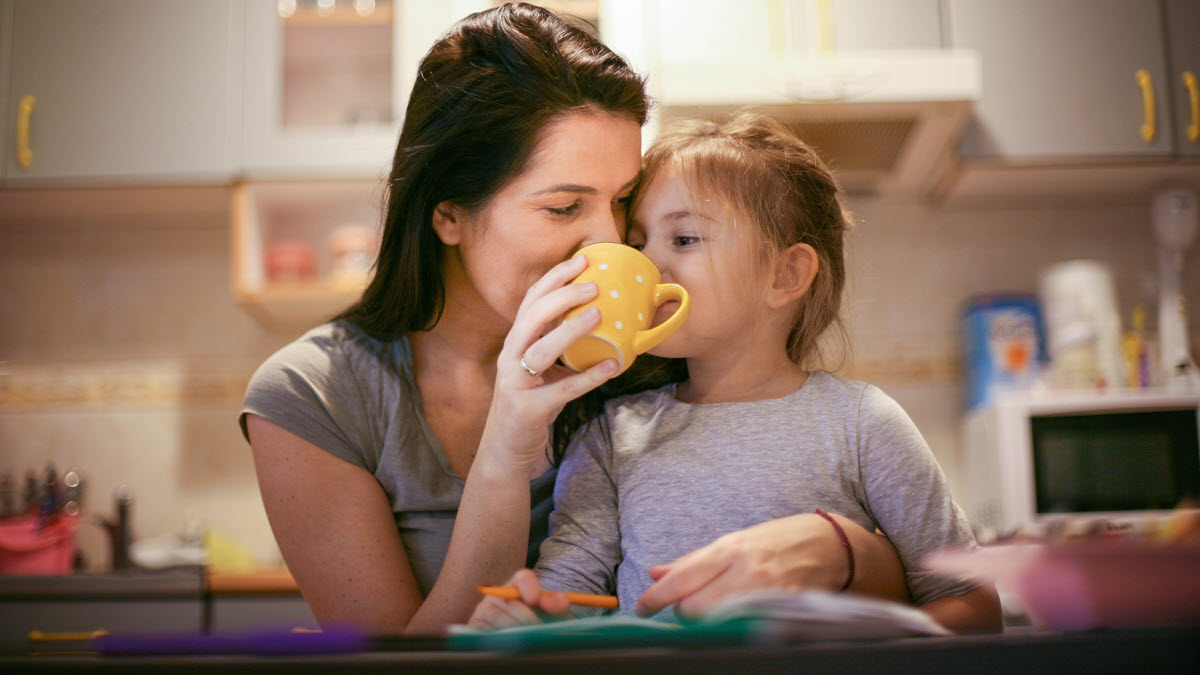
[{"x": 1117, "y": 456}]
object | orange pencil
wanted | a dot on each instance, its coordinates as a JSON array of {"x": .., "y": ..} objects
[{"x": 584, "y": 599}]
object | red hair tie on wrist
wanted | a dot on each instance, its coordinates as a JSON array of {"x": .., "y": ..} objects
[{"x": 845, "y": 544}]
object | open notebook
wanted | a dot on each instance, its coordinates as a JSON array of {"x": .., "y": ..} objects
[{"x": 760, "y": 617}]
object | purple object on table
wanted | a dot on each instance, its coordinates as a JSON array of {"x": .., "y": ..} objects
[{"x": 261, "y": 643}]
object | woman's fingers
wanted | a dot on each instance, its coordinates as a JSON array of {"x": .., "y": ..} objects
[
  {"x": 496, "y": 613},
  {"x": 559, "y": 275},
  {"x": 682, "y": 578},
  {"x": 528, "y": 586},
  {"x": 555, "y": 604},
  {"x": 545, "y": 349}
]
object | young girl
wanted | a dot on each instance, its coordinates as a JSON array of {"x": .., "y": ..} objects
[{"x": 750, "y": 221}]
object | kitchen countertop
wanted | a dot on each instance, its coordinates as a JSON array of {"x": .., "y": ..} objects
[
  {"x": 173, "y": 582},
  {"x": 263, "y": 580}
]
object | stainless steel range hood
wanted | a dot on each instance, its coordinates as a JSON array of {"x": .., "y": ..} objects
[{"x": 886, "y": 122}]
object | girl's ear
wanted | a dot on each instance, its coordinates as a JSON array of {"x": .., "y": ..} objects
[
  {"x": 447, "y": 222},
  {"x": 793, "y": 274}
]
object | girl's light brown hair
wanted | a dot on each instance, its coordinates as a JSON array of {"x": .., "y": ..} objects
[{"x": 763, "y": 173}]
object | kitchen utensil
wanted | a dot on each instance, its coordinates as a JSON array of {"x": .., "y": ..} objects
[{"x": 1174, "y": 211}]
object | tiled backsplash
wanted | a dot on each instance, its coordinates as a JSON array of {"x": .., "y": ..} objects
[{"x": 122, "y": 352}]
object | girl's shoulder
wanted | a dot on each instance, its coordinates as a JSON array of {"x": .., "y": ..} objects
[{"x": 866, "y": 399}]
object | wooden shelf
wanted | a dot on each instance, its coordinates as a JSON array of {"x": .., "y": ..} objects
[{"x": 305, "y": 212}]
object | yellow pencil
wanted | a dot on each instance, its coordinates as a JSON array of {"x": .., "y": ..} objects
[{"x": 584, "y": 599}]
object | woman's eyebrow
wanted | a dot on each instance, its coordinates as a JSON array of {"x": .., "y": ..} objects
[
  {"x": 566, "y": 187},
  {"x": 580, "y": 189}
]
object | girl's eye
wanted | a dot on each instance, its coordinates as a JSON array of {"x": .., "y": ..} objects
[
  {"x": 684, "y": 240},
  {"x": 563, "y": 211}
]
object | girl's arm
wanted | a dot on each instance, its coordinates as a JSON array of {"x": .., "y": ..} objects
[{"x": 795, "y": 552}]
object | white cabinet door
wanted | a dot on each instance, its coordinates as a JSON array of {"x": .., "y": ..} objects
[
  {"x": 325, "y": 93},
  {"x": 1060, "y": 78},
  {"x": 125, "y": 90},
  {"x": 1183, "y": 39}
]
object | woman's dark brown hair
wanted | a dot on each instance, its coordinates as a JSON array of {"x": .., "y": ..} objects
[{"x": 482, "y": 95}]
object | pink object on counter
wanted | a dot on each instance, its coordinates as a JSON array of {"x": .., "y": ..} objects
[
  {"x": 1087, "y": 585},
  {"x": 27, "y": 549}
]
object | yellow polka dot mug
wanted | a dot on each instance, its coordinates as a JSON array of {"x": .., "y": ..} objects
[{"x": 631, "y": 290}]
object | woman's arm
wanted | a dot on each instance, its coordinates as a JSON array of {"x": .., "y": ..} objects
[
  {"x": 336, "y": 531},
  {"x": 976, "y": 611},
  {"x": 795, "y": 552},
  {"x": 338, "y": 536}
]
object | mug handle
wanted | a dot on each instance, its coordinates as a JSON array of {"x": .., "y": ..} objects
[{"x": 649, "y": 339}]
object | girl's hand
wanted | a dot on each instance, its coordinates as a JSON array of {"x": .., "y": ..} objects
[
  {"x": 493, "y": 612},
  {"x": 524, "y": 404},
  {"x": 796, "y": 552}
]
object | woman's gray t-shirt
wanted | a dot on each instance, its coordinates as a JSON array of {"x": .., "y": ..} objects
[{"x": 356, "y": 397}]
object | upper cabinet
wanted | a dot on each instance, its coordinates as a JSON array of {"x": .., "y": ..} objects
[
  {"x": 1081, "y": 98},
  {"x": 1183, "y": 39},
  {"x": 1078, "y": 79},
  {"x": 327, "y": 83},
  {"x": 5, "y": 55},
  {"x": 1066, "y": 79},
  {"x": 122, "y": 90}
]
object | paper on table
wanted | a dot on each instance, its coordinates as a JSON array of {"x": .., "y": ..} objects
[
  {"x": 820, "y": 615},
  {"x": 754, "y": 617}
]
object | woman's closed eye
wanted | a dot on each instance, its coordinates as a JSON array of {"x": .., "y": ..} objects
[{"x": 564, "y": 211}]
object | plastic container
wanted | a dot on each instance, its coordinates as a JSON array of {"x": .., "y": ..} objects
[
  {"x": 26, "y": 548},
  {"x": 1004, "y": 344}
]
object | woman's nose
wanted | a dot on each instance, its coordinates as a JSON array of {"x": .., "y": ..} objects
[{"x": 607, "y": 228}]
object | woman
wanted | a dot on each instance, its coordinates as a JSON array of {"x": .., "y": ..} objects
[{"x": 397, "y": 448}]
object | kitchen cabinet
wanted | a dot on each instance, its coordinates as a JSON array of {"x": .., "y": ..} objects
[
  {"x": 682, "y": 31},
  {"x": 1066, "y": 80},
  {"x": 256, "y": 600},
  {"x": 325, "y": 93},
  {"x": 260, "y": 611},
  {"x": 1082, "y": 102},
  {"x": 1183, "y": 39},
  {"x": 118, "y": 91},
  {"x": 302, "y": 249},
  {"x": 171, "y": 600},
  {"x": 325, "y": 90},
  {"x": 5, "y": 68}
]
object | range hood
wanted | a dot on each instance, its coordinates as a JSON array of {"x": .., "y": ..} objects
[{"x": 887, "y": 122}]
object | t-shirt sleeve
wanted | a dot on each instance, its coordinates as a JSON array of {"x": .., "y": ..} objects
[
  {"x": 309, "y": 389},
  {"x": 907, "y": 494},
  {"x": 584, "y": 547}
]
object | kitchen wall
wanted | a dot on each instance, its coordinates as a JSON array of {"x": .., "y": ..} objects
[{"x": 123, "y": 353}]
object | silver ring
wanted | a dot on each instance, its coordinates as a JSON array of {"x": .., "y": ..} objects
[{"x": 528, "y": 371}]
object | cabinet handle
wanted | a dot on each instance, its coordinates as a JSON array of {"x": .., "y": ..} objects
[
  {"x": 24, "y": 152},
  {"x": 1147, "y": 85},
  {"x": 1189, "y": 82}
]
